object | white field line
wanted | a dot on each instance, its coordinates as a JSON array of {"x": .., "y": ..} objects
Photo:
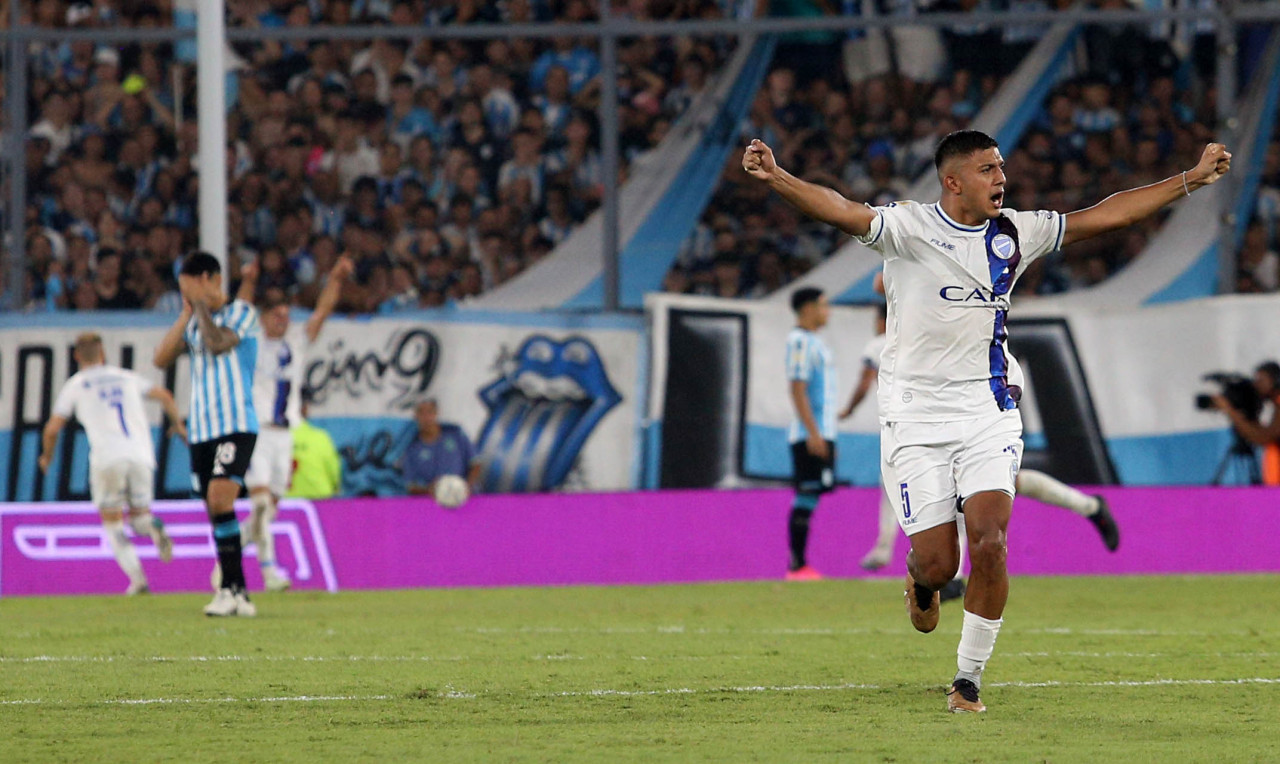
[
  {"x": 39, "y": 659},
  {"x": 829, "y": 631},
  {"x": 457, "y": 695},
  {"x": 231, "y": 658}
]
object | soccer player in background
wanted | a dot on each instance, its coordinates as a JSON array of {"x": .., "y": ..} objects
[
  {"x": 277, "y": 388},
  {"x": 811, "y": 381},
  {"x": 887, "y": 533},
  {"x": 949, "y": 391},
  {"x": 222, "y": 338},
  {"x": 1032, "y": 483},
  {"x": 107, "y": 401}
]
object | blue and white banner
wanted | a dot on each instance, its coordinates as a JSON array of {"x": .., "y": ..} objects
[
  {"x": 1110, "y": 395},
  {"x": 550, "y": 401}
]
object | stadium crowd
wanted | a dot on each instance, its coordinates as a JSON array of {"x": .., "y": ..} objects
[
  {"x": 441, "y": 168},
  {"x": 446, "y": 168},
  {"x": 1134, "y": 107}
]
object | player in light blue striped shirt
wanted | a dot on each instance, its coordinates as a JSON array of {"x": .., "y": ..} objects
[
  {"x": 222, "y": 338},
  {"x": 811, "y": 379}
]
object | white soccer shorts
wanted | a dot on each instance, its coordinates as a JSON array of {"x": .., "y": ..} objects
[
  {"x": 272, "y": 461},
  {"x": 928, "y": 467},
  {"x": 122, "y": 485}
]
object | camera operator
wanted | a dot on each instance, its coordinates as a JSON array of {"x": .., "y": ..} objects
[{"x": 1266, "y": 380}]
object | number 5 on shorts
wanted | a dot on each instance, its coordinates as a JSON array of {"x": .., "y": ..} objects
[{"x": 906, "y": 501}]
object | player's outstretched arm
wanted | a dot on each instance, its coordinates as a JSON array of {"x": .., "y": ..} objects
[
  {"x": 49, "y": 439},
  {"x": 328, "y": 300},
  {"x": 248, "y": 283},
  {"x": 1128, "y": 207},
  {"x": 818, "y": 202},
  {"x": 172, "y": 344}
]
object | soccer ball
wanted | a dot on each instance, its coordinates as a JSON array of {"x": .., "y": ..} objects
[{"x": 452, "y": 492}]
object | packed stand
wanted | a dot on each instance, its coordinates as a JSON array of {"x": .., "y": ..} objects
[
  {"x": 853, "y": 115},
  {"x": 442, "y": 168},
  {"x": 1258, "y": 267},
  {"x": 859, "y": 112}
]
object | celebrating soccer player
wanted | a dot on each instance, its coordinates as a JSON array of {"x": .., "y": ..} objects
[
  {"x": 222, "y": 337},
  {"x": 277, "y": 389},
  {"x": 107, "y": 401},
  {"x": 949, "y": 391}
]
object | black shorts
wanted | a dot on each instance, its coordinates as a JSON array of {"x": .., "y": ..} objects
[
  {"x": 225, "y": 457},
  {"x": 812, "y": 474}
]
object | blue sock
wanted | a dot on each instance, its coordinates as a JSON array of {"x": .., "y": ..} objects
[
  {"x": 798, "y": 527},
  {"x": 226, "y": 537}
]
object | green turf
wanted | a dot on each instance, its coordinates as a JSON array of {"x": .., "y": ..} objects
[{"x": 829, "y": 671}]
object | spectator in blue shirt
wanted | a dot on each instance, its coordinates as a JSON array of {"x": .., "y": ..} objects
[{"x": 440, "y": 449}]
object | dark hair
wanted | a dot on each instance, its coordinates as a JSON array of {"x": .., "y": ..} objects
[
  {"x": 1271, "y": 369},
  {"x": 200, "y": 264},
  {"x": 272, "y": 300},
  {"x": 803, "y": 296},
  {"x": 882, "y": 310},
  {"x": 962, "y": 143}
]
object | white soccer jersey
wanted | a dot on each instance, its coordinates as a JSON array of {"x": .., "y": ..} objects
[
  {"x": 872, "y": 351},
  {"x": 277, "y": 378},
  {"x": 948, "y": 288},
  {"x": 108, "y": 403}
]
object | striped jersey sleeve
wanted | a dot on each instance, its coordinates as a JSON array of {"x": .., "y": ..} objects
[
  {"x": 799, "y": 358},
  {"x": 242, "y": 319}
]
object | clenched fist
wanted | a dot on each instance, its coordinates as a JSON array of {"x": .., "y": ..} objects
[
  {"x": 1214, "y": 163},
  {"x": 758, "y": 160}
]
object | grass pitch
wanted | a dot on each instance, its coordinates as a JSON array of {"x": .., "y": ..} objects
[{"x": 1100, "y": 669}]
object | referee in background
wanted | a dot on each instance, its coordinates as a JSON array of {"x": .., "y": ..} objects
[{"x": 222, "y": 337}]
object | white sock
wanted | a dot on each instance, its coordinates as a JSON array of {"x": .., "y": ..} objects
[
  {"x": 1045, "y": 489},
  {"x": 977, "y": 640},
  {"x": 888, "y": 527},
  {"x": 145, "y": 525},
  {"x": 964, "y": 543},
  {"x": 264, "y": 511},
  {"x": 126, "y": 555}
]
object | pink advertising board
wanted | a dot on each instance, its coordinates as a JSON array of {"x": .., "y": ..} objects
[{"x": 625, "y": 538}]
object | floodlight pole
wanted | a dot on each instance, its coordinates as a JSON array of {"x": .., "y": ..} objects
[
  {"x": 609, "y": 159},
  {"x": 15, "y": 156},
  {"x": 211, "y": 118}
]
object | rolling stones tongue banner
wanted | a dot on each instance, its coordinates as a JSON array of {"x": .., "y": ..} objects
[
  {"x": 545, "y": 408},
  {"x": 549, "y": 402}
]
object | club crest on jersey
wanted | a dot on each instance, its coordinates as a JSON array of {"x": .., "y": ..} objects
[{"x": 1003, "y": 246}]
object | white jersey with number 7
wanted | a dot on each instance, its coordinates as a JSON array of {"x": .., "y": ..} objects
[{"x": 107, "y": 401}]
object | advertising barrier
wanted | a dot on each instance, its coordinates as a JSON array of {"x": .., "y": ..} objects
[
  {"x": 623, "y": 538},
  {"x": 551, "y": 402},
  {"x": 1109, "y": 395}
]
